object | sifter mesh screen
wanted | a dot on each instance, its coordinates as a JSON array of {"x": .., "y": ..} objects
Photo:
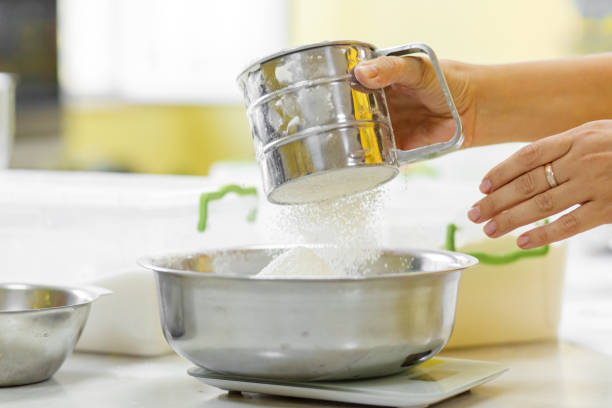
[{"x": 331, "y": 184}]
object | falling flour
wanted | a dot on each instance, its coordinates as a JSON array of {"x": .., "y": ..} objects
[{"x": 344, "y": 233}]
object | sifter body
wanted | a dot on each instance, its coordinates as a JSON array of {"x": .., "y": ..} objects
[{"x": 317, "y": 138}]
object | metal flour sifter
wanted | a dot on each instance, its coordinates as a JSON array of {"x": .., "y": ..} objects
[{"x": 316, "y": 137}]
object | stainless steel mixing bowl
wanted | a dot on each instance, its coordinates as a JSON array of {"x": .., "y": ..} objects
[
  {"x": 400, "y": 314},
  {"x": 39, "y": 326}
]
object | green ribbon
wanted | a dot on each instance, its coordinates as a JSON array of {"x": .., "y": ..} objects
[
  {"x": 205, "y": 198},
  {"x": 492, "y": 259}
]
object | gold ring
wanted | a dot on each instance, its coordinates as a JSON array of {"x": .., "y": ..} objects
[{"x": 550, "y": 175}]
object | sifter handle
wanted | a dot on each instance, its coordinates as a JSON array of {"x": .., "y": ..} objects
[{"x": 436, "y": 149}]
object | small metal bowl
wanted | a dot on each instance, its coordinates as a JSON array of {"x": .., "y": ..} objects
[
  {"x": 399, "y": 315},
  {"x": 39, "y": 327}
]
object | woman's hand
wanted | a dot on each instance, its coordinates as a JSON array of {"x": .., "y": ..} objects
[
  {"x": 497, "y": 103},
  {"x": 418, "y": 110},
  {"x": 518, "y": 192}
]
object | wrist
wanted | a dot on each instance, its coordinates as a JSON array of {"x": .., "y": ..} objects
[{"x": 480, "y": 83}]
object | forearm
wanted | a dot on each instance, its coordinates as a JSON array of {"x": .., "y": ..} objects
[{"x": 528, "y": 101}]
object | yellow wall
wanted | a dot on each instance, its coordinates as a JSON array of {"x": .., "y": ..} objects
[
  {"x": 155, "y": 139},
  {"x": 478, "y": 31},
  {"x": 188, "y": 139}
]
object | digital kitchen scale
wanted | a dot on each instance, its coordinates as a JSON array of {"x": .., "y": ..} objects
[{"x": 430, "y": 382}]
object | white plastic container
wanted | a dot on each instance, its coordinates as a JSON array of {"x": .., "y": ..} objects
[
  {"x": 70, "y": 227},
  {"x": 60, "y": 227},
  {"x": 128, "y": 321},
  {"x": 514, "y": 302}
]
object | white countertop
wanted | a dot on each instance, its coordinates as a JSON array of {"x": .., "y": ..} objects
[{"x": 558, "y": 375}]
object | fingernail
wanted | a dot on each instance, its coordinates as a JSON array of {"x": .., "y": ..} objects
[
  {"x": 485, "y": 186},
  {"x": 490, "y": 228},
  {"x": 367, "y": 70},
  {"x": 474, "y": 213},
  {"x": 522, "y": 241}
]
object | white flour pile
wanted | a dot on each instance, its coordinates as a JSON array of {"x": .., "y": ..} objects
[
  {"x": 297, "y": 262},
  {"x": 345, "y": 232}
]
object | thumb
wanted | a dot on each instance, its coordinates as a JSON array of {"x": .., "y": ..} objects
[{"x": 384, "y": 71}]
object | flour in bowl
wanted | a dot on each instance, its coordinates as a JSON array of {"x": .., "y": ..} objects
[{"x": 297, "y": 263}]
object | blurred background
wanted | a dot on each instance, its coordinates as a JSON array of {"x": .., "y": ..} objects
[{"x": 149, "y": 85}]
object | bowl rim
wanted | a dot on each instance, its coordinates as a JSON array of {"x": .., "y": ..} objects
[
  {"x": 86, "y": 294},
  {"x": 152, "y": 263}
]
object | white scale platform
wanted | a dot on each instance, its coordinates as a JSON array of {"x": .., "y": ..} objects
[{"x": 430, "y": 382}]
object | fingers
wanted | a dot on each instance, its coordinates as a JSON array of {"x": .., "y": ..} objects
[
  {"x": 518, "y": 190},
  {"x": 540, "y": 206},
  {"x": 384, "y": 71},
  {"x": 531, "y": 156},
  {"x": 581, "y": 219}
]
